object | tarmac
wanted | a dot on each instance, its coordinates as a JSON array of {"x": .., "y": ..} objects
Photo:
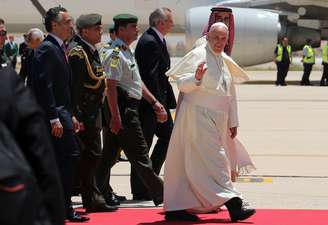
[{"x": 285, "y": 130}]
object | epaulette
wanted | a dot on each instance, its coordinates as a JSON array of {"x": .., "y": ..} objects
[
  {"x": 104, "y": 46},
  {"x": 76, "y": 51},
  {"x": 107, "y": 46}
]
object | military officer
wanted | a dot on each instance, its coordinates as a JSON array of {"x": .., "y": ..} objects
[
  {"x": 88, "y": 88},
  {"x": 112, "y": 35},
  {"x": 124, "y": 92}
]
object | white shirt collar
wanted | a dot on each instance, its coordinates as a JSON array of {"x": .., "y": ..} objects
[
  {"x": 160, "y": 35},
  {"x": 59, "y": 41}
]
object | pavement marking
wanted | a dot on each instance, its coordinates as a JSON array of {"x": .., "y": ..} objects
[{"x": 254, "y": 180}]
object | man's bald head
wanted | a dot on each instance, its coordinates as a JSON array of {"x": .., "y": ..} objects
[{"x": 217, "y": 37}]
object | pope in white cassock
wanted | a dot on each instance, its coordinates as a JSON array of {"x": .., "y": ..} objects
[{"x": 203, "y": 157}]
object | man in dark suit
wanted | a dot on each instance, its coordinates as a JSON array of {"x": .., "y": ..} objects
[
  {"x": 51, "y": 83},
  {"x": 23, "y": 52},
  {"x": 20, "y": 113},
  {"x": 3, "y": 38},
  {"x": 24, "y": 120},
  {"x": 11, "y": 50},
  {"x": 154, "y": 60}
]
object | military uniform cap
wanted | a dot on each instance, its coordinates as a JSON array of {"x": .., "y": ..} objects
[
  {"x": 88, "y": 20},
  {"x": 125, "y": 18}
]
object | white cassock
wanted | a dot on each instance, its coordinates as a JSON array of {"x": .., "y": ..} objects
[{"x": 201, "y": 154}]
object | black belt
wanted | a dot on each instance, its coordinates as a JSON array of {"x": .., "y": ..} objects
[{"x": 125, "y": 100}]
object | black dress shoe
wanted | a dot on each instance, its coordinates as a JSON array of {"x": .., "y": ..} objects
[
  {"x": 74, "y": 217},
  {"x": 158, "y": 200},
  {"x": 180, "y": 215},
  {"x": 120, "y": 197},
  {"x": 111, "y": 199},
  {"x": 238, "y": 211},
  {"x": 100, "y": 207}
]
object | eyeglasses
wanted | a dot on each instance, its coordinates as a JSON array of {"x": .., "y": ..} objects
[{"x": 3, "y": 32}]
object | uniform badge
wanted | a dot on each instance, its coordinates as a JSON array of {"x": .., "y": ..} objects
[{"x": 114, "y": 58}]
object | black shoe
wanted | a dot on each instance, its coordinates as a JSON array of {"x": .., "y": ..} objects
[
  {"x": 74, "y": 217},
  {"x": 180, "y": 215},
  {"x": 120, "y": 197},
  {"x": 111, "y": 199},
  {"x": 158, "y": 200},
  {"x": 100, "y": 207},
  {"x": 238, "y": 210}
]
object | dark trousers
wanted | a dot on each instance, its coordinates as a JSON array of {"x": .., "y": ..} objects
[
  {"x": 324, "y": 78},
  {"x": 67, "y": 153},
  {"x": 134, "y": 145},
  {"x": 151, "y": 127},
  {"x": 306, "y": 74},
  {"x": 90, "y": 144},
  {"x": 282, "y": 70},
  {"x": 111, "y": 151},
  {"x": 14, "y": 63}
]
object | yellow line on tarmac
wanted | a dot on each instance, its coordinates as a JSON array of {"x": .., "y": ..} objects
[{"x": 254, "y": 180}]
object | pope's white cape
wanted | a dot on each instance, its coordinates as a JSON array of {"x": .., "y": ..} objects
[{"x": 191, "y": 60}]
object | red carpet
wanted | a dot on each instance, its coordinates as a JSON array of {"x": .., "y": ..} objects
[{"x": 262, "y": 217}]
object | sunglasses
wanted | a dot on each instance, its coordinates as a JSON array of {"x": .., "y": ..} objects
[{"x": 3, "y": 32}]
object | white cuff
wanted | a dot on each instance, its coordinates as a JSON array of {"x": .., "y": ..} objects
[
  {"x": 54, "y": 120},
  {"x": 197, "y": 82}
]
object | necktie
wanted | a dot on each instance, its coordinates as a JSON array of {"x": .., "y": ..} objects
[
  {"x": 63, "y": 47},
  {"x": 164, "y": 42},
  {"x": 96, "y": 54}
]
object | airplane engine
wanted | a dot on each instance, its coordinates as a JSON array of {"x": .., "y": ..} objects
[
  {"x": 297, "y": 37},
  {"x": 256, "y": 33}
]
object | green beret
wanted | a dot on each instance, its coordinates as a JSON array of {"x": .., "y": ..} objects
[
  {"x": 88, "y": 20},
  {"x": 125, "y": 18},
  {"x": 111, "y": 29}
]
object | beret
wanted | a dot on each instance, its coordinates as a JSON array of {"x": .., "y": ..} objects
[{"x": 88, "y": 20}]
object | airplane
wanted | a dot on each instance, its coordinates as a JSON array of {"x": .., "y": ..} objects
[{"x": 258, "y": 23}]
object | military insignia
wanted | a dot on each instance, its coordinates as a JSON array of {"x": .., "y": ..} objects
[
  {"x": 99, "y": 69},
  {"x": 76, "y": 51},
  {"x": 114, "y": 62},
  {"x": 114, "y": 58},
  {"x": 132, "y": 66}
]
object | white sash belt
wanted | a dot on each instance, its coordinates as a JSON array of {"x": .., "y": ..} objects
[{"x": 210, "y": 101}]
